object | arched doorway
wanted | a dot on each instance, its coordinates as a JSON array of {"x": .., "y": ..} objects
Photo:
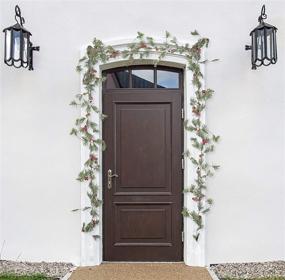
[{"x": 142, "y": 166}]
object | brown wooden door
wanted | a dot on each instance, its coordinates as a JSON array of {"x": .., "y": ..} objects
[{"x": 142, "y": 207}]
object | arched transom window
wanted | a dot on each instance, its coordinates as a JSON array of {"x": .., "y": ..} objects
[{"x": 143, "y": 77}]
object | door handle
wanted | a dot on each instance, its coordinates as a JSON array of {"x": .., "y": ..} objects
[{"x": 110, "y": 176}]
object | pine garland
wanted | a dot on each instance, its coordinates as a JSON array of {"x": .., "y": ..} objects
[{"x": 87, "y": 131}]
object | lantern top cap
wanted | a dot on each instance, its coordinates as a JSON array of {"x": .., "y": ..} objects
[
  {"x": 263, "y": 24},
  {"x": 20, "y": 21},
  {"x": 17, "y": 27}
]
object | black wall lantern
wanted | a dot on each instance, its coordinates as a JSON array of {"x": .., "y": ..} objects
[
  {"x": 263, "y": 43},
  {"x": 18, "y": 47}
]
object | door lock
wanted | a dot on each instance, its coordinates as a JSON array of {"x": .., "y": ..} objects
[{"x": 110, "y": 176}]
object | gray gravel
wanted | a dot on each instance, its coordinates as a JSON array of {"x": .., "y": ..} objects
[
  {"x": 250, "y": 270},
  {"x": 54, "y": 270}
]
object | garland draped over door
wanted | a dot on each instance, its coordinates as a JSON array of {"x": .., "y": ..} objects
[{"x": 203, "y": 141}]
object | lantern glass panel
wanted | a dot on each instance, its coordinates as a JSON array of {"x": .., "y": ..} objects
[
  {"x": 7, "y": 45},
  {"x": 25, "y": 47},
  {"x": 254, "y": 46},
  {"x": 269, "y": 43},
  {"x": 260, "y": 44},
  {"x": 274, "y": 48},
  {"x": 16, "y": 44},
  {"x": 267, "y": 46}
]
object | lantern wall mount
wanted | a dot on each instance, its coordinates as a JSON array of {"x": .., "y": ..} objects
[
  {"x": 18, "y": 49},
  {"x": 263, "y": 43}
]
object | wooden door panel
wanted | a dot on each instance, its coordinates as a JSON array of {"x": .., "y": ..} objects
[
  {"x": 142, "y": 210},
  {"x": 142, "y": 143},
  {"x": 142, "y": 223}
]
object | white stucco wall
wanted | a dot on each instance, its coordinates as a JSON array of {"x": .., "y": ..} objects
[{"x": 39, "y": 160}]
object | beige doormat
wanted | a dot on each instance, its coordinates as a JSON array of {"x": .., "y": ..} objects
[{"x": 141, "y": 271}]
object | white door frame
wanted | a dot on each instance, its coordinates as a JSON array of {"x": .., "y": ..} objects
[{"x": 92, "y": 249}]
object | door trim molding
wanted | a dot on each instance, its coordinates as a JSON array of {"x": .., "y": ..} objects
[{"x": 92, "y": 249}]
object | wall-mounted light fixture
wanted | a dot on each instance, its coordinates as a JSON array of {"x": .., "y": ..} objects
[
  {"x": 263, "y": 43},
  {"x": 18, "y": 47}
]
